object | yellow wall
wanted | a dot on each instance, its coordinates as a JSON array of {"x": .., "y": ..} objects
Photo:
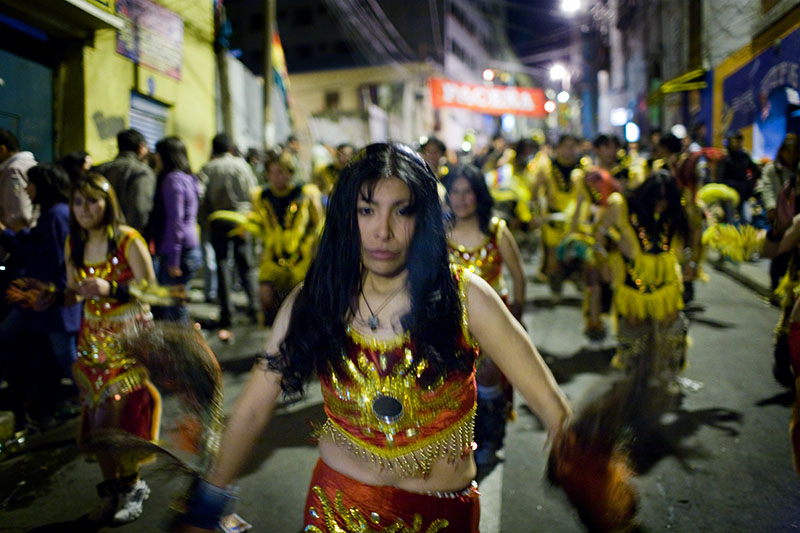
[
  {"x": 110, "y": 77},
  {"x": 785, "y": 25}
]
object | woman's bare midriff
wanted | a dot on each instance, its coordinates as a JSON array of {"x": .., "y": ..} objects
[{"x": 444, "y": 476}]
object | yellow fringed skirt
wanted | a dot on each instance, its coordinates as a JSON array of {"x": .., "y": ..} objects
[{"x": 649, "y": 286}]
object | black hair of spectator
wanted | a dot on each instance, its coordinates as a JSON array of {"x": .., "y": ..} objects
[
  {"x": 73, "y": 164},
  {"x": 52, "y": 184},
  {"x": 605, "y": 138},
  {"x": 9, "y": 140},
  {"x": 173, "y": 156},
  {"x": 130, "y": 140},
  {"x": 436, "y": 141},
  {"x": 221, "y": 144},
  {"x": 670, "y": 143},
  {"x": 568, "y": 137}
]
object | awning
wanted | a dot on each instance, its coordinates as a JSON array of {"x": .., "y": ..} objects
[{"x": 64, "y": 18}]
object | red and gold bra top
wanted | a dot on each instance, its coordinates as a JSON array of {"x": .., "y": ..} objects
[
  {"x": 114, "y": 267},
  {"x": 385, "y": 407},
  {"x": 485, "y": 259}
]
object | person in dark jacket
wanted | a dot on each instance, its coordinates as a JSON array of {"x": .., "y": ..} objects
[
  {"x": 132, "y": 179},
  {"x": 174, "y": 228},
  {"x": 738, "y": 171},
  {"x": 41, "y": 252}
]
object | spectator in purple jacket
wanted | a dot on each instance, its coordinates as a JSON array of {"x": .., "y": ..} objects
[{"x": 174, "y": 229}]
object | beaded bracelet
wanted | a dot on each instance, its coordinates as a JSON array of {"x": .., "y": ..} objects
[{"x": 206, "y": 504}]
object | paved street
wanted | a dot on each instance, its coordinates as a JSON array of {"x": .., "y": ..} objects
[{"x": 720, "y": 463}]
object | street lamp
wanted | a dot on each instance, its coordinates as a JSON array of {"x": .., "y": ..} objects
[
  {"x": 488, "y": 74},
  {"x": 563, "y": 97},
  {"x": 557, "y": 72},
  {"x": 570, "y": 7}
]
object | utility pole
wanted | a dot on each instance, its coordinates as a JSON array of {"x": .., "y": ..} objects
[
  {"x": 269, "y": 24},
  {"x": 221, "y": 52}
]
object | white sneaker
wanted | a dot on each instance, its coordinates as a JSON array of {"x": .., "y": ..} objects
[{"x": 130, "y": 503}]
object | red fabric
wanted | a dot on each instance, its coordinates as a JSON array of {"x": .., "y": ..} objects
[
  {"x": 137, "y": 416},
  {"x": 390, "y": 503},
  {"x": 459, "y": 387}
]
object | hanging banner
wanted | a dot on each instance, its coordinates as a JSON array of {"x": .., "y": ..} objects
[
  {"x": 491, "y": 100},
  {"x": 152, "y": 36}
]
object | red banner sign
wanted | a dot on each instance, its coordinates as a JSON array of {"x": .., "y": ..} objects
[{"x": 489, "y": 99}]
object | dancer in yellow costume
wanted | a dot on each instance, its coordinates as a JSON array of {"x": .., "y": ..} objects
[
  {"x": 288, "y": 223},
  {"x": 555, "y": 183},
  {"x": 648, "y": 286}
]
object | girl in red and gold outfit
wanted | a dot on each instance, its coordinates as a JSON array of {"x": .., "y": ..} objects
[
  {"x": 103, "y": 258},
  {"x": 393, "y": 332},
  {"x": 482, "y": 244}
]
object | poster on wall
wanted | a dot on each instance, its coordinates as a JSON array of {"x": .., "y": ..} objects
[
  {"x": 152, "y": 36},
  {"x": 761, "y": 93}
]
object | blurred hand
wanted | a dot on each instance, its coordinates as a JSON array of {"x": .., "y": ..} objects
[
  {"x": 174, "y": 271},
  {"x": 94, "y": 287}
]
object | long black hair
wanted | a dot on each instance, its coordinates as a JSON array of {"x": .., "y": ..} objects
[
  {"x": 173, "y": 156},
  {"x": 328, "y": 299},
  {"x": 52, "y": 185},
  {"x": 660, "y": 185},
  {"x": 483, "y": 198}
]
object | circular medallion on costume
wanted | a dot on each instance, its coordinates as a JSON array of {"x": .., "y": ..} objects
[{"x": 387, "y": 409}]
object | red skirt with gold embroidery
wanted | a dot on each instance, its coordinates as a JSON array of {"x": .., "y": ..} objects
[{"x": 338, "y": 501}]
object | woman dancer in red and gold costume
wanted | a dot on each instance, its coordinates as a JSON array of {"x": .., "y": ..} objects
[
  {"x": 483, "y": 244},
  {"x": 103, "y": 259},
  {"x": 393, "y": 332}
]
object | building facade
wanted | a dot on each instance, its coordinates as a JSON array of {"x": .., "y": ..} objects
[{"x": 77, "y": 73}]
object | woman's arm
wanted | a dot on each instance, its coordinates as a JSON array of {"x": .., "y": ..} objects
[
  {"x": 509, "y": 252},
  {"x": 779, "y": 241},
  {"x": 139, "y": 259},
  {"x": 251, "y": 412},
  {"x": 504, "y": 340}
]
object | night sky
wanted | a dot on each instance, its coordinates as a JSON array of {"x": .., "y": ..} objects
[{"x": 535, "y": 28}]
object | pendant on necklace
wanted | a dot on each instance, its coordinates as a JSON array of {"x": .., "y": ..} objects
[{"x": 373, "y": 322}]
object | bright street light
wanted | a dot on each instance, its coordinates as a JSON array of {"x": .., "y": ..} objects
[
  {"x": 570, "y": 6},
  {"x": 563, "y": 97},
  {"x": 549, "y": 106},
  {"x": 557, "y": 72},
  {"x": 488, "y": 74}
]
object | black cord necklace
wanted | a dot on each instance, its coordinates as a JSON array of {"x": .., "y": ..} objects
[{"x": 373, "y": 321}]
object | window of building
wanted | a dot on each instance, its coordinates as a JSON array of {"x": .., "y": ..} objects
[
  {"x": 331, "y": 100},
  {"x": 149, "y": 117}
]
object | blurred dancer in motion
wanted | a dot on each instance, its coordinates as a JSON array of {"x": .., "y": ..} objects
[{"x": 483, "y": 243}]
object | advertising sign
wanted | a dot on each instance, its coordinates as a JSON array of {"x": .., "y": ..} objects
[
  {"x": 757, "y": 94},
  {"x": 489, "y": 99},
  {"x": 152, "y": 36}
]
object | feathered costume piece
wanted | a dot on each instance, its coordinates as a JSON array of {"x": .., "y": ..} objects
[
  {"x": 737, "y": 243},
  {"x": 36, "y": 294},
  {"x": 588, "y": 458},
  {"x": 248, "y": 222},
  {"x": 179, "y": 362},
  {"x": 717, "y": 192}
]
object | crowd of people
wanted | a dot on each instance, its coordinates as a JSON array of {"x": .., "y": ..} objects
[{"x": 384, "y": 273}]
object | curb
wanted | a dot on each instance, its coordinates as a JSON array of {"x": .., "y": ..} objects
[{"x": 760, "y": 288}]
